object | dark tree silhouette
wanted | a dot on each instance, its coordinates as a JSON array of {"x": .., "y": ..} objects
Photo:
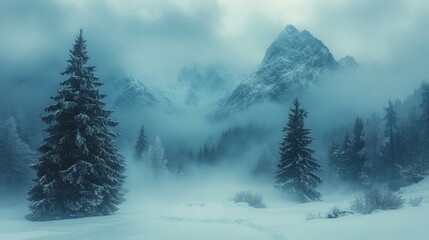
[{"x": 296, "y": 170}]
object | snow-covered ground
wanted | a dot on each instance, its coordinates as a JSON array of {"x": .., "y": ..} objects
[{"x": 168, "y": 215}]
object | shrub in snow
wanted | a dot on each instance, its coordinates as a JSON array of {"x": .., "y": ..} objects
[
  {"x": 376, "y": 199},
  {"x": 415, "y": 201},
  {"x": 337, "y": 212},
  {"x": 252, "y": 199}
]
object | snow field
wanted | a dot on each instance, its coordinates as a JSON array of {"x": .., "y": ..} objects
[{"x": 143, "y": 217}]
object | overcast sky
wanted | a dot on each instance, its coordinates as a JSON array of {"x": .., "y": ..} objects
[{"x": 153, "y": 39}]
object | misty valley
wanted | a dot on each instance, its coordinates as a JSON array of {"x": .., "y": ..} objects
[{"x": 298, "y": 145}]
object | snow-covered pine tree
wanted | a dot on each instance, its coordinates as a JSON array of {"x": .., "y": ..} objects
[
  {"x": 80, "y": 172},
  {"x": 141, "y": 145},
  {"x": 15, "y": 159},
  {"x": 296, "y": 170}
]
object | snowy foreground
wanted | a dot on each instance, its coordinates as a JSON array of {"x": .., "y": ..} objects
[{"x": 178, "y": 218}]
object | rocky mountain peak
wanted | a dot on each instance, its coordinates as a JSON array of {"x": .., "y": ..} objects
[{"x": 293, "y": 62}]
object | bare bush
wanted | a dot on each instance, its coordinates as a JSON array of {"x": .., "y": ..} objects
[
  {"x": 376, "y": 199},
  {"x": 252, "y": 199},
  {"x": 415, "y": 201}
]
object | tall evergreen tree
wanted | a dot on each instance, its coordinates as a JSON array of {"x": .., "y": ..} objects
[
  {"x": 80, "y": 172},
  {"x": 141, "y": 145},
  {"x": 296, "y": 170},
  {"x": 391, "y": 129}
]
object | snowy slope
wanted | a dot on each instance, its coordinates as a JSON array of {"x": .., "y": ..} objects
[
  {"x": 159, "y": 215},
  {"x": 293, "y": 62}
]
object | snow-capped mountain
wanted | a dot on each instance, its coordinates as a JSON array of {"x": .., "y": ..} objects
[
  {"x": 197, "y": 84},
  {"x": 293, "y": 62},
  {"x": 133, "y": 92}
]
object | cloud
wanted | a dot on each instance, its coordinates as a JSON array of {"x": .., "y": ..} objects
[
  {"x": 155, "y": 37},
  {"x": 139, "y": 35}
]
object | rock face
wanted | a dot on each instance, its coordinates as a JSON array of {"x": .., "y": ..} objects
[{"x": 293, "y": 62}]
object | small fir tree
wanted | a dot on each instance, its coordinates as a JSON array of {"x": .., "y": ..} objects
[
  {"x": 141, "y": 145},
  {"x": 80, "y": 172},
  {"x": 296, "y": 170}
]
